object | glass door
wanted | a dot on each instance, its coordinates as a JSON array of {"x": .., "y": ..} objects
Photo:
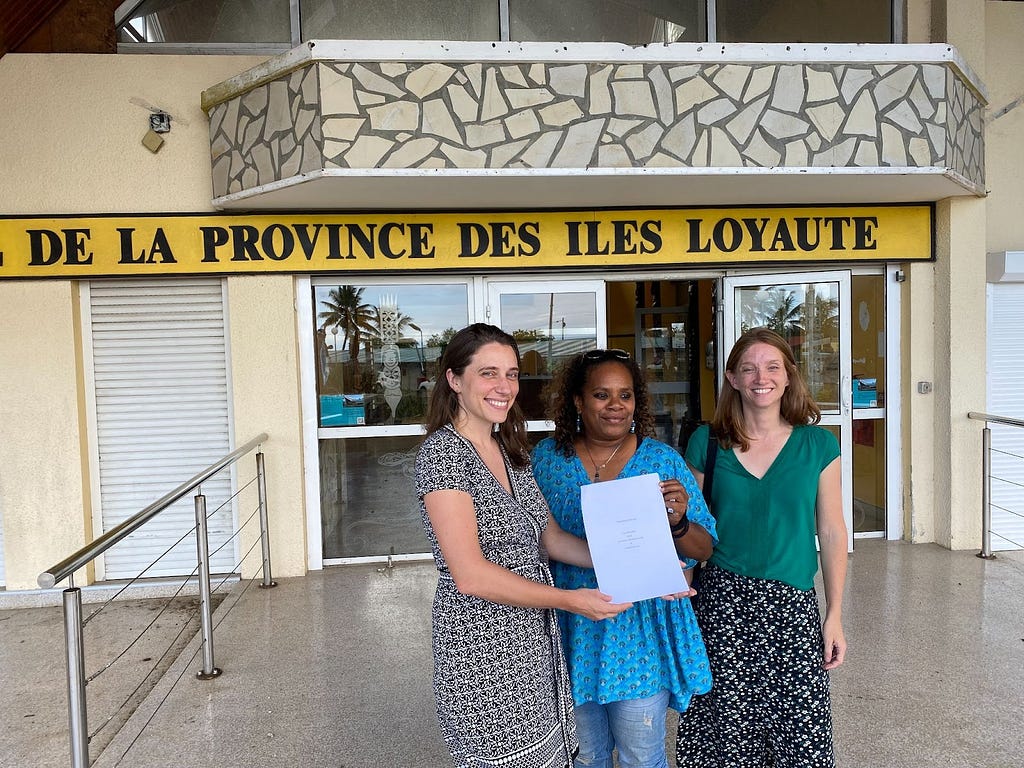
[
  {"x": 376, "y": 351},
  {"x": 552, "y": 321},
  {"x": 812, "y": 312}
]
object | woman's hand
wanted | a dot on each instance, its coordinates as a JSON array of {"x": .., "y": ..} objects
[
  {"x": 692, "y": 541},
  {"x": 676, "y": 500},
  {"x": 690, "y": 591},
  {"x": 595, "y": 605},
  {"x": 835, "y": 643}
]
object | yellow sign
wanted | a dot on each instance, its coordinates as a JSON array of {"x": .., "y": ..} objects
[{"x": 99, "y": 246}]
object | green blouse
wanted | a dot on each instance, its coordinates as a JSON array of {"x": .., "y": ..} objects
[{"x": 766, "y": 526}]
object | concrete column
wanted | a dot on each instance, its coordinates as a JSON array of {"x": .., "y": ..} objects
[
  {"x": 917, "y": 362},
  {"x": 44, "y": 497},
  {"x": 266, "y": 398},
  {"x": 960, "y": 345},
  {"x": 945, "y": 332}
]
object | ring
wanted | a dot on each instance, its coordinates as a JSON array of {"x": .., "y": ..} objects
[{"x": 669, "y": 510}]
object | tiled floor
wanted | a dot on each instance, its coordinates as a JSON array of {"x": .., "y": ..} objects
[{"x": 333, "y": 671}]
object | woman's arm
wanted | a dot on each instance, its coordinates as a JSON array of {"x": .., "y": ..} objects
[
  {"x": 564, "y": 547},
  {"x": 832, "y": 541},
  {"x": 695, "y": 542},
  {"x": 453, "y": 519}
]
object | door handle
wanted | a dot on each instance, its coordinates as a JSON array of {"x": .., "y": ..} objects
[{"x": 846, "y": 394}]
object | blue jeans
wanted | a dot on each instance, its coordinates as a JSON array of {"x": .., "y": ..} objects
[{"x": 636, "y": 727}]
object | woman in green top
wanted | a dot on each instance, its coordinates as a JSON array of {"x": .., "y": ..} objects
[{"x": 776, "y": 484}]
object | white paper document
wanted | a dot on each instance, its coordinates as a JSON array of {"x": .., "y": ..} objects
[{"x": 629, "y": 538}]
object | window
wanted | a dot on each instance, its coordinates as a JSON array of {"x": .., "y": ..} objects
[
  {"x": 242, "y": 25},
  {"x": 399, "y": 20},
  {"x": 634, "y": 22},
  {"x": 804, "y": 21},
  {"x": 206, "y": 21},
  {"x": 378, "y": 347}
]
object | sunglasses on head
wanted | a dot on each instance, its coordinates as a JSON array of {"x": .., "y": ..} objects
[{"x": 600, "y": 355}]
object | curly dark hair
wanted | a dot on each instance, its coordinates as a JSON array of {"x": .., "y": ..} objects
[{"x": 569, "y": 382}]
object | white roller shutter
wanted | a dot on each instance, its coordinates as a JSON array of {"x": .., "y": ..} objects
[
  {"x": 1006, "y": 398},
  {"x": 160, "y": 380}
]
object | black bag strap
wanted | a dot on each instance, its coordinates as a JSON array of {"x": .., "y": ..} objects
[
  {"x": 709, "y": 478},
  {"x": 709, "y": 469}
]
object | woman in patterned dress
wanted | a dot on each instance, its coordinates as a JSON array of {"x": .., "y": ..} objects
[
  {"x": 499, "y": 675},
  {"x": 776, "y": 484},
  {"x": 625, "y": 672}
]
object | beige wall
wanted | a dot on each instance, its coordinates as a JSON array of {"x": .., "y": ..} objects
[
  {"x": 1004, "y": 137},
  {"x": 74, "y": 141},
  {"x": 917, "y": 362},
  {"x": 265, "y": 383},
  {"x": 944, "y": 336},
  {"x": 918, "y": 21},
  {"x": 46, "y": 511},
  {"x": 73, "y": 146},
  {"x": 944, "y": 344},
  {"x": 960, "y": 333}
]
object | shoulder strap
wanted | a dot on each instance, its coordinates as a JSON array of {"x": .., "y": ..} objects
[{"x": 709, "y": 469}]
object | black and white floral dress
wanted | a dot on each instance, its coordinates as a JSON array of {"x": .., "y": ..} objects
[{"x": 500, "y": 680}]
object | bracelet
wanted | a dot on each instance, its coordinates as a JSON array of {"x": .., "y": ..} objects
[{"x": 680, "y": 529}]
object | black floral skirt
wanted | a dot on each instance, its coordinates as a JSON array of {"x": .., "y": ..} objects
[{"x": 769, "y": 704}]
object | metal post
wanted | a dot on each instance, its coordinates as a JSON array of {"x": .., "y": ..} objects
[
  {"x": 77, "y": 720},
  {"x": 205, "y": 611},
  {"x": 986, "y": 494},
  {"x": 261, "y": 484}
]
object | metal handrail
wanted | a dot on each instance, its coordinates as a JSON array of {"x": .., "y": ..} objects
[
  {"x": 72, "y": 596},
  {"x": 980, "y": 416},
  {"x": 57, "y": 573},
  {"x": 986, "y": 475}
]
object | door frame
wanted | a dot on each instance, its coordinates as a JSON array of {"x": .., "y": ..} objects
[
  {"x": 479, "y": 293},
  {"x": 495, "y": 287},
  {"x": 843, "y": 417}
]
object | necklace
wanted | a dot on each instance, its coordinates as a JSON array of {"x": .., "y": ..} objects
[{"x": 597, "y": 469}]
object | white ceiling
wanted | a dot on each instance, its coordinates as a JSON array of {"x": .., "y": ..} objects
[{"x": 377, "y": 189}]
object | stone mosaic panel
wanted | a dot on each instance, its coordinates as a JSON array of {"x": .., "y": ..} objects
[{"x": 366, "y": 115}]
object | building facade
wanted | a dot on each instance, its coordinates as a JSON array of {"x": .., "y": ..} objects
[{"x": 326, "y": 208}]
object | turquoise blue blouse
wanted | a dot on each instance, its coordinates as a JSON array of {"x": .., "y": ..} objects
[{"x": 656, "y": 644}]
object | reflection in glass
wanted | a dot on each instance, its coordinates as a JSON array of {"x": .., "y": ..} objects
[
  {"x": 549, "y": 328},
  {"x": 868, "y": 475},
  {"x": 368, "y": 502},
  {"x": 807, "y": 316},
  {"x": 801, "y": 21},
  {"x": 400, "y": 20},
  {"x": 868, "y": 340},
  {"x": 378, "y": 347},
  {"x": 208, "y": 21},
  {"x": 633, "y": 22},
  {"x": 665, "y": 350}
]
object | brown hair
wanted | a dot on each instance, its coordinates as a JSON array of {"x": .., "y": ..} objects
[
  {"x": 797, "y": 407},
  {"x": 568, "y": 384},
  {"x": 444, "y": 402}
]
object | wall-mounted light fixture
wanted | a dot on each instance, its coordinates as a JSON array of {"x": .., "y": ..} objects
[{"x": 159, "y": 122}]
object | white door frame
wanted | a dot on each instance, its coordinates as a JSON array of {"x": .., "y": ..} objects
[
  {"x": 843, "y": 418},
  {"x": 496, "y": 287}
]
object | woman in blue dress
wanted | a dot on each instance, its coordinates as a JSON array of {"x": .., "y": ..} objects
[{"x": 626, "y": 671}]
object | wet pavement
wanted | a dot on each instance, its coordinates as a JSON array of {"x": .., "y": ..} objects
[{"x": 332, "y": 670}]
